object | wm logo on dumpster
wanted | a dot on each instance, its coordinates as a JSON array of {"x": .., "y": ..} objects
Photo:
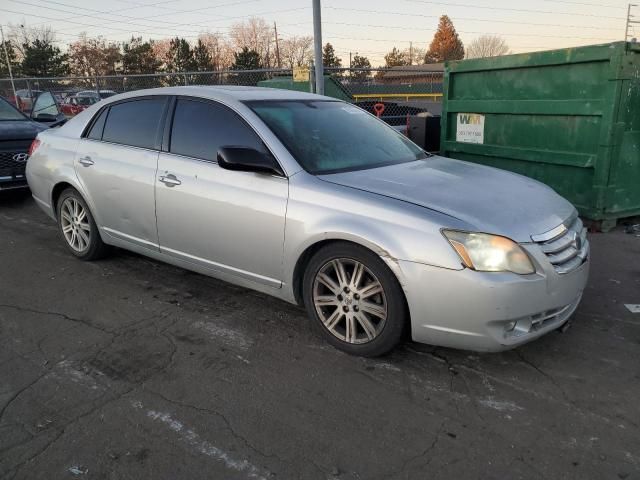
[{"x": 470, "y": 119}]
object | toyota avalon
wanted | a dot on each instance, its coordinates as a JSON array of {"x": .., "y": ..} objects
[{"x": 319, "y": 203}]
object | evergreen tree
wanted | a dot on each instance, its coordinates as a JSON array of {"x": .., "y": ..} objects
[
  {"x": 42, "y": 59},
  {"x": 363, "y": 66},
  {"x": 446, "y": 45},
  {"x": 247, "y": 60},
  {"x": 329, "y": 58},
  {"x": 395, "y": 58},
  {"x": 180, "y": 57},
  {"x": 13, "y": 60},
  {"x": 202, "y": 57},
  {"x": 139, "y": 57}
]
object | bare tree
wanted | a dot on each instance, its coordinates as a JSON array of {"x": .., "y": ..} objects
[
  {"x": 296, "y": 51},
  {"x": 257, "y": 35},
  {"x": 487, "y": 46},
  {"x": 414, "y": 55},
  {"x": 161, "y": 49},
  {"x": 220, "y": 49},
  {"x": 93, "y": 56},
  {"x": 21, "y": 36}
]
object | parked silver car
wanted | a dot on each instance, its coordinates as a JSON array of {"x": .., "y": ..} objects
[{"x": 316, "y": 202}]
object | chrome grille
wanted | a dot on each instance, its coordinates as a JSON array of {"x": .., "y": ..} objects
[{"x": 566, "y": 246}]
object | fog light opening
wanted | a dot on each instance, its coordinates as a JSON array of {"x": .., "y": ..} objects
[{"x": 516, "y": 328}]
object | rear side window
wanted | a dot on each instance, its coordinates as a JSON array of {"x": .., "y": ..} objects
[
  {"x": 134, "y": 123},
  {"x": 98, "y": 126},
  {"x": 200, "y": 128}
]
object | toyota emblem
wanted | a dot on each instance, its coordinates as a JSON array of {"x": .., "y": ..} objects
[{"x": 20, "y": 157}]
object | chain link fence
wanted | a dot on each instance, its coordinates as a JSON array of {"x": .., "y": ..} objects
[{"x": 394, "y": 94}]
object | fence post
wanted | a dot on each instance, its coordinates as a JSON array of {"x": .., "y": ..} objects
[
  {"x": 312, "y": 82},
  {"x": 30, "y": 95},
  {"x": 95, "y": 78},
  {"x": 185, "y": 80}
]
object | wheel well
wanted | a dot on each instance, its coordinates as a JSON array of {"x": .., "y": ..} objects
[
  {"x": 55, "y": 194},
  {"x": 301, "y": 266},
  {"x": 303, "y": 261}
]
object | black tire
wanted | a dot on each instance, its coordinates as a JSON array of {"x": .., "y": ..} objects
[
  {"x": 390, "y": 332},
  {"x": 96, "y": 248}
]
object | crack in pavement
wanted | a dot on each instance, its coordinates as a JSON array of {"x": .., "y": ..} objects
[
  {"x": 225, "y": 420},
  {"x": 57, "y": 314},
  {"x": 16, "y": 469}
]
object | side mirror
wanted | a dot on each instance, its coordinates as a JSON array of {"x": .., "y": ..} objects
[{"x": 247, "y": 160}]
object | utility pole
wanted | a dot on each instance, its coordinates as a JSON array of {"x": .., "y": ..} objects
[
  {"x": 317, "y": 44},
  {"x": 410, "y": 53},
  {"x": 629, "y": 21},
  {"x": 275, "y": 27},
  {"x": 6, "y": 56}
]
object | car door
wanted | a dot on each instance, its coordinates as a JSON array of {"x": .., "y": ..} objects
[
  {"x": 46, "y": 110},
  {"x": 116, "y": 162},
  {"x": 227, "y": 221}
]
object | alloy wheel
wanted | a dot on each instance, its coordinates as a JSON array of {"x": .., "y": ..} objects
[
  {"x": 350, "y": 300},
  {"x": 75, "y": 225}
]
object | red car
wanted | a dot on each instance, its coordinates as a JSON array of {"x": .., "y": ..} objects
[
  {"x": 23, "y": 99},
  {"x": 74, "y": 104}
]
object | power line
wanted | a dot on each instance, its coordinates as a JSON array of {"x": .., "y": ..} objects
[
  {"x": 467, "y": 19},
  {"x": 474, "y": 33},
  {"x": 523, "y": 10},
  {"x": 138, "y": 5},
  {"x": 147, "y": 30},
  {"x": 113, "y": 13}
]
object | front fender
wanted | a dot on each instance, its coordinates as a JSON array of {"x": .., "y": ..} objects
[{"x": 393, "y": 229}]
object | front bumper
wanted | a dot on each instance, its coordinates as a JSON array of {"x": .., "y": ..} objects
[
  {"x": 13, "y": 182},
  {"x": 472, "y": 310}
]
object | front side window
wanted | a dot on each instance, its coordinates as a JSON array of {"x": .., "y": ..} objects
[
  {"x": 135, "y": 122},
  {"x": 200, "y": 128},
  {"x": 329, "y": 136}
]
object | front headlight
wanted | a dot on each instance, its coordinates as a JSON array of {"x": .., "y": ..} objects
[{"x": 489, "y": 253}]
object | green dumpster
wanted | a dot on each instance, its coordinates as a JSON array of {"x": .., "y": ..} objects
[
  {"x": 569, "y": 118},
  {"x": 332, "y": 87}
]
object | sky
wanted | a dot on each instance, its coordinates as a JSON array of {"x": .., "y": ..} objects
[{"x": 368, "y": 27}]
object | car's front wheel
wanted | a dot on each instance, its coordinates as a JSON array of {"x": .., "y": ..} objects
[
  {"x": 77, "y": 227},
  {"x": 355, "y": 299}
]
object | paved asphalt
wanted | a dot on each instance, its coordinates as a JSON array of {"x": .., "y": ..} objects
[{"x": 132, "y": 369}]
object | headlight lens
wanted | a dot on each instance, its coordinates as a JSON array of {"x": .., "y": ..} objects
[{"x": 489, "y": 253}]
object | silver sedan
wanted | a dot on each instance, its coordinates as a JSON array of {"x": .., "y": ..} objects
[{"x": 319, "y": 203}]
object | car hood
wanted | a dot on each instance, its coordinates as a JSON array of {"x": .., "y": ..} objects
[
  {"x": 19, "y": 129},
  {"x": 488, "y": 199}
]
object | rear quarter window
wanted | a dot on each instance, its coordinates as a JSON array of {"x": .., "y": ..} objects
[{"x": 95, "y": 131}]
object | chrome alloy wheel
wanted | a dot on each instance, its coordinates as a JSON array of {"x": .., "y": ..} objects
[
  {"x": 350, "y": 300},
  {"x": 75, "y": 225}
]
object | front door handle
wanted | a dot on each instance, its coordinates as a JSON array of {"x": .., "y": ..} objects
[
  {"x": 170, "y": 180},
  {"x": 85, "y": 161}
]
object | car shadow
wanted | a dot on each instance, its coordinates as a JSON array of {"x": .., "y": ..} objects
[{"x": 14, "y": 199}]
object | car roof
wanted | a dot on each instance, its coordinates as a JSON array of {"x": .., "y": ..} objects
[{"x": 224, "y": 92}]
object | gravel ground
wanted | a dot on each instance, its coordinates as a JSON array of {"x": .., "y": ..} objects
[{"x": 132, "y": 369}]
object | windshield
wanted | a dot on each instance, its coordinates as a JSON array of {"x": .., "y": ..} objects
[
  {"x": 85, "y": 101},
  {"x": 7, "y": 112},
  {"x": 330, "y": 137}
]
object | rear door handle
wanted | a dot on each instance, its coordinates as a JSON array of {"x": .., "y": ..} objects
[
  {"x": 170, "y": 180},
  {"x": 85, "y": 161}
]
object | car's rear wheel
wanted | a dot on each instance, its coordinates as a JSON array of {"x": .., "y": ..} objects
[
  {"x": 355, "y": 299},
  {"x": 77, "y": 227}
]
